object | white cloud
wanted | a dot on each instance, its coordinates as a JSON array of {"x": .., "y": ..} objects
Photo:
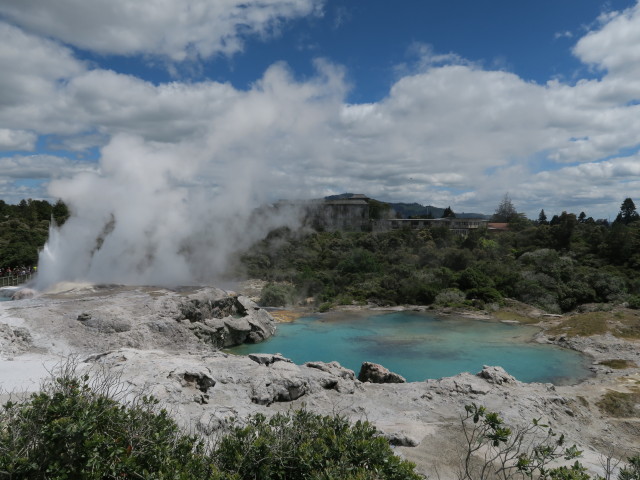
[
  {"x": 615, "y": 45},
  {"x": 41, "y": 167},
  {"x": 32, "y": 84},
  {"x": 598, "y": 188},
  {"x": 178, "y": 29},
  {"x": 17, "y": 139},
  {"x": 195, "y": 158},
  {"x": 564, "y": 34},
  {"x": 28, "y": 176}
]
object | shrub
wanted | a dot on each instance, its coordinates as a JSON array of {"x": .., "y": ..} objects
[
  {"x": 632, "y": 470},
  {"x": 473, "y": 278},
  {"x": 325, "y": 307},
  {"x": 486, "y": 294},
  {"x": 618, "y": 364},
  {"x": 620, "y": 404},
  {"x": 358, "y": 261},
  {"x": 304, "y": 445},
  {"x": 634, "y": 302},
  {"x": 69, "y": 430},
  {"x": 514, "y": 452},
  {"x": 276, "y": 295},
  {"x": 450, "y": 297}
]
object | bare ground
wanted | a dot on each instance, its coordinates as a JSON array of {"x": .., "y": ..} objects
[{"x": 133, "y": 331}]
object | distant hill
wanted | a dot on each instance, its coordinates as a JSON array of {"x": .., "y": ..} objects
[
  {"x": 339, "y": 196},
  {"x": 407, "y": 210},
  {"x": 412, "y": 209}
]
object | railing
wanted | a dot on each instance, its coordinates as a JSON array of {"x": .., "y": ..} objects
[{"x": 15, "y": 280}]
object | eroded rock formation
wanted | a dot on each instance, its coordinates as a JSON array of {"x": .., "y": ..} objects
[
  {"x": 226, "y": 321},
  {"x": 375, "y": 373}
]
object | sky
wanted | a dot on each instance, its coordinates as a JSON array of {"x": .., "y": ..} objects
[{"x": 448, "y": 103}]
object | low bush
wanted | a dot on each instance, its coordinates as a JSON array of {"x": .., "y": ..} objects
[
  {"x": 620, "y": 404},
  {"x": 304, "y": 445},
  {"x": 277, "y": 295},
  {"x": 634, "y": 302},
  {"x": 450, "y": 297},
  {"x": 632, "y": 470},
  {"x": 70, "y": 430},
  {"x": 75, "y": 428},
  {"x": 618, "y": 364}
]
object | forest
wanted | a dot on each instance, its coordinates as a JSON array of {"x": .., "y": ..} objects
[
  {"x": 24, "y": 229},
  {"x": 556, "y": 265}
]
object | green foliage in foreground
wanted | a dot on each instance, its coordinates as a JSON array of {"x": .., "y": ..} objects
[
  {"x": 76, "y": 430},
  {"x": 68, "y": 431},
  {"x": 495, "y": 450},
  {"x": 303, "y": 445}
]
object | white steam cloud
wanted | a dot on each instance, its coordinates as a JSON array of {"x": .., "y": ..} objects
[
  {"x": 144, "y": 220},
  {"x": 173, "y": 212}
]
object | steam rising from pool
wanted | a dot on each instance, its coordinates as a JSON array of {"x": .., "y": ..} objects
[
  {"x": 167, "y": 204},
  {"x": 144, "y": 219}
]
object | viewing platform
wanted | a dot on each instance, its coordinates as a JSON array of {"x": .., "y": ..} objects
[{"x": 15, "y": 280}]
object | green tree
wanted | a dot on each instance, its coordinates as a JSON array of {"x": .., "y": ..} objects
[
  {"x": 378, "y": 210},
  {"x": 60, "y": 212},
  {"x": 505, "y": 212},
  {"x": 563, "y": 230},
  {"x": 542, "y": 218},
  {"x": 628, "y": 212},
  {"x": 448, "y": 213}
]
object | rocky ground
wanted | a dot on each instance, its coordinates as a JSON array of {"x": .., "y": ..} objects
[{"x": 167, "y": 342}]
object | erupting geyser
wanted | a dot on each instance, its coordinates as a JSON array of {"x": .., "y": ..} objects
[{"x": 143, "y": 219}]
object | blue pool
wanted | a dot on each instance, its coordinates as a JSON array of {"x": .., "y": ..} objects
[{"x": 421, "y": 346}]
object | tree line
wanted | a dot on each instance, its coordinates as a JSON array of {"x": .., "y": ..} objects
[
  {"x": 24, "y": 229},
  {"x": 556, "y": 265}
]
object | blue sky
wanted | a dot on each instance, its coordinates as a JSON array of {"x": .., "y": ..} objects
[
  {"x": 371, "y": 39},
  {"x": 438, "y": 102}
]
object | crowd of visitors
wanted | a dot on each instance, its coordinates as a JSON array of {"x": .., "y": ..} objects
[{"x": 17, "y": 271}]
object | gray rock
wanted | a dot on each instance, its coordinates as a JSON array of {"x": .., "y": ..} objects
[
  {"x": 225, "y": 321},
  {"x": 108, "y": 325},
  {"x": 333, "y": 368},
  {"x": 267, "y": 358},
  {"x": 495, "y": 375},
  {"x": 375, "y": 373},
  {"x": 14, "y": 340},
  {"x": 24, "y": 293},
  {"x": 330, "y": 376},
  {"x": 401, "y": 439},
  {"x": 199, "y": 380},
  {"x": 282, "y": 389}
]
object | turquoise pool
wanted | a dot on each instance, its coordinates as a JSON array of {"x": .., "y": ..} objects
[{"x": 421, "y": 346}]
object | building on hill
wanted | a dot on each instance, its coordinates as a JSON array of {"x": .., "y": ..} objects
[
  {"x": 344, "y": 214},
  {"x": 459, "y": 226},
  {"x": 352, "y": 212}
]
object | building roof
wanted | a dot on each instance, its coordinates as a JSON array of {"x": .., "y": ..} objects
[{"x": 497, "y": 226}]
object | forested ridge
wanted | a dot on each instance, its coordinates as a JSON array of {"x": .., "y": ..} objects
[
  {"x": 24, "y": 229},
  {"x": 556, "y": 265}
]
